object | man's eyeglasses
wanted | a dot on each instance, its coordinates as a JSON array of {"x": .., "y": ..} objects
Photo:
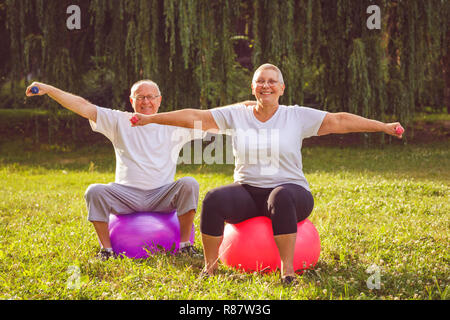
[
  {"x": 142, "y": 98},
  {"x": 271, "y": 83}
]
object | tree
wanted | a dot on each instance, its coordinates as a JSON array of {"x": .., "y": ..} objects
[{"x": 202, "y": 53}]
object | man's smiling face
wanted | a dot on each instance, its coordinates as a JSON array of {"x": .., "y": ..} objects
[{"x": 146, "y": 99}]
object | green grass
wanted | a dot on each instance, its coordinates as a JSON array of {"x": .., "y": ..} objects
[{"x": 386, "y": 206}]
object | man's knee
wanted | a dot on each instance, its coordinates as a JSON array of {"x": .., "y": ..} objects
[
  {"x": 188, "y": 188},
  {"x": 189, "y": 183},
  {"x": 94, "y": 191}
]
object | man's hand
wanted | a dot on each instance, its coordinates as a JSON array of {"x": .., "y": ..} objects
[{"x": 43, "y": 89}]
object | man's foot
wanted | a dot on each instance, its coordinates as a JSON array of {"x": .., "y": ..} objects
[
  {"x": 105, "y": 254},
  {"x": 191, "y": 252}
]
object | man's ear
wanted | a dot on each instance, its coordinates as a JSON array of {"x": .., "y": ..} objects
[{"x": 132, "y": 106}]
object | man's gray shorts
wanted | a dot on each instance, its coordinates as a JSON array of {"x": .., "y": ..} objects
[{"x": 104, "y": 199}]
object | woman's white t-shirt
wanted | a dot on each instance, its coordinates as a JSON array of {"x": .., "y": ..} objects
[{"x": 268, "y": 154}]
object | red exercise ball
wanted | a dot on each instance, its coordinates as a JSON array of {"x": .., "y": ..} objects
[{"x": 250, "y": 246}]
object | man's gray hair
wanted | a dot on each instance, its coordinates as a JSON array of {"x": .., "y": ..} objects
[
  {"x": 136, "y": 85},
  {"x": 269, "y": 66}
]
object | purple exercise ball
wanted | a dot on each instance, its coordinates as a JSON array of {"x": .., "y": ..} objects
[{"x": 136, "y": 235}]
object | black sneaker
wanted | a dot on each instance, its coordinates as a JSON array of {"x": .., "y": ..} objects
[
  {"x": 104, "y": 254},
  {"x": 191, "y": 251}
]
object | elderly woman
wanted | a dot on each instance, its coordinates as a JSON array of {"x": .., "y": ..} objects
[{"x": 269, "y": 180}]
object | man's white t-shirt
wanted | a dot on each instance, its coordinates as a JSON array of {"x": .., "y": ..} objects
[
  {"x": 146, "y": 156},
  {"x": 268, "y": 154}
]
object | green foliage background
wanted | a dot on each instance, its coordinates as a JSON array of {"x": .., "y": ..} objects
[{"x": 202, "y": 53}]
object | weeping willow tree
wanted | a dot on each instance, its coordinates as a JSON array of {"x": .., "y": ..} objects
[
  {"x": 327, "y": 51},
  {"x": 278, "y": 41},
  {"x": 185, "y": 46},
  {"x": 417, "y": 36},
  {"x": 192, "y": 49},
  {"x": 39, "y": 49}
]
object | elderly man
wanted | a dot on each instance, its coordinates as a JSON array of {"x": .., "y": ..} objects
[{"x": 145, "y": 170}]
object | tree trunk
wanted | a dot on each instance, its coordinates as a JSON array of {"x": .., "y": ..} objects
[{"x": 445, "y": 62}]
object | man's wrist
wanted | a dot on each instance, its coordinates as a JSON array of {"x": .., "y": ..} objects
[{"x": 49, "y": 90}]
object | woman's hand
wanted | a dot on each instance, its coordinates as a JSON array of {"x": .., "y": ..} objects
[
  {"x": 394, "y": 129},
  {"x": 139, "y": 119}
]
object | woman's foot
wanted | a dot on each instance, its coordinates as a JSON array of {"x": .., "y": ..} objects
[
  {"x": 204, "y": 274},
  {"x": 289, "y": 280},
  {"x": 209, "y": 270}
]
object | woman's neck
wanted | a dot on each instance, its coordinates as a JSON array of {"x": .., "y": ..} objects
[{"x": 264, "y": 112}]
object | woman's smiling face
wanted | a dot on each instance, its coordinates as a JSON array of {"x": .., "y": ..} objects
[{"x": 266, "y": 86}]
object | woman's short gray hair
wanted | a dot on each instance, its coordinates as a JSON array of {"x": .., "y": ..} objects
[
  {"x": 136, "y": 85},
  {"x": 269, "y": 66}
]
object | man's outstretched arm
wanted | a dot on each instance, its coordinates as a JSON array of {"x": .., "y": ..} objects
[{"x": 69, "y": 101}]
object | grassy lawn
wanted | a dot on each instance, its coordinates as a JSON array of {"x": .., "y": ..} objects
[{"x": 379, "y": 212}]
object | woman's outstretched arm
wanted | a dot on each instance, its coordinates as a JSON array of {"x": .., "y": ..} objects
[
  {"x": 343, "y": 122},
  {"x": 187, "y": 118}
]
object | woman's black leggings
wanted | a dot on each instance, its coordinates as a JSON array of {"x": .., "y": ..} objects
[{"x": 285, "y": 205}]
